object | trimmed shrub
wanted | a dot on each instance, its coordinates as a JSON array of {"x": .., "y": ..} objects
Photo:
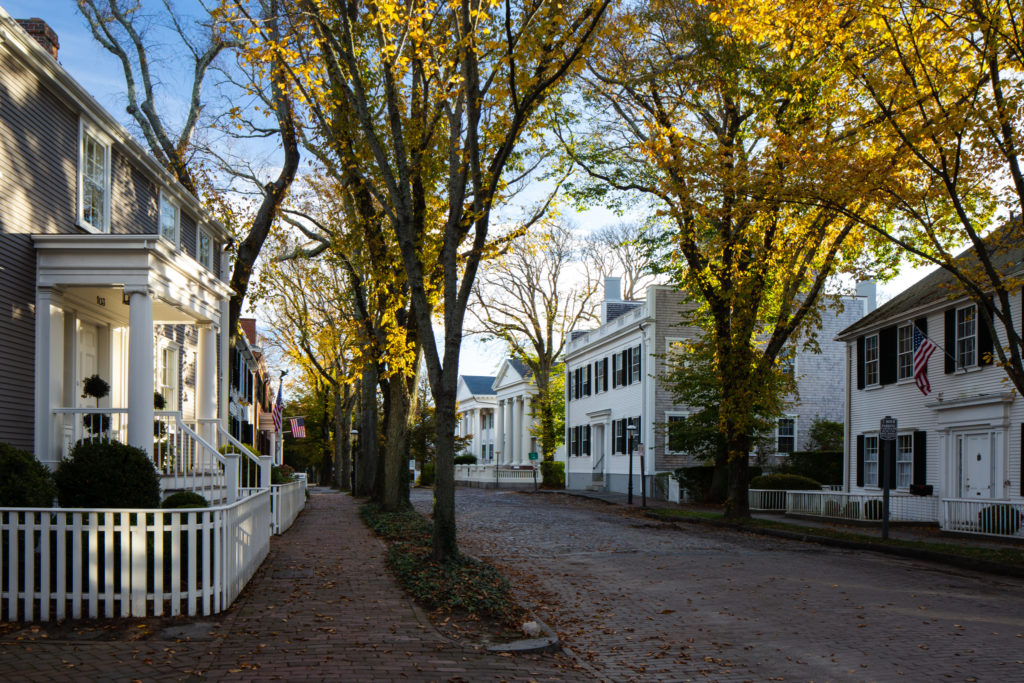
[
  {"x": 184, "y": 499},
  {"x": 24, "y": 481},
  {"x": 784, "y": 482},
  {"x": 821, "y": 466},
  {"x": 464, "y": 459},
  {"x": 552, "y": 474},
  {"x": 427, "y": 474},
  {"x": 282, "y": 474},
  {"x": 107, "y": 474},
  {"x": 696, "y": 481},
  {"x": 999, "y": 519}
]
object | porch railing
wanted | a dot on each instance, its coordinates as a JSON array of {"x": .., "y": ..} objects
[
  {"x": 58, "y": 563},
  {"x": 286, "y": 502},
  {"x": 861, "y": 507},
  {"x": 986, "y": 517},
  {"x": 187, "y": 461},
  {"x": 89, "y": 424},
  {"x": 249, "y": 471}
]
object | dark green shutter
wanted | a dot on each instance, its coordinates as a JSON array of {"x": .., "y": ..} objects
[
  {"x": 887, "y": 350},
  {"x": 860, "y": 362},
  {"x": 950, "y": 341},
  {"x": 920, "y": 458},
  {"x": 605, "y": 375},
  {"x": 860, "y": 460},
  {"x": 985, "y": 347}
]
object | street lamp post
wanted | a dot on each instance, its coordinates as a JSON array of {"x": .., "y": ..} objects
[{"x": 630, "y": 433}]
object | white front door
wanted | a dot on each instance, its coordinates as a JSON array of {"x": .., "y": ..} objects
[{"x": 976, "y": 465}]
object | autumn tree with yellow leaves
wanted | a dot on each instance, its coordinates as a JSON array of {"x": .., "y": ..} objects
[
  {"x": 717, "y": 135},
  {"x": 934, "y": 86},
  {"x": 426, "y": 105}
]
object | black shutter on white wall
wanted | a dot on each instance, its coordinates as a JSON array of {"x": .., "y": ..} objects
[
  {"x": 985, "y": 346},
  {"x": 887, "y": 350},
  {"x": 920, "y": 458},
  {"x": 950, "y": 341},
  {"x": 860, "y": 362},
  {"x": 860, "y": 460}
]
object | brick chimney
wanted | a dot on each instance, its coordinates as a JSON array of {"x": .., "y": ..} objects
[{"x": 44, "y": 35}]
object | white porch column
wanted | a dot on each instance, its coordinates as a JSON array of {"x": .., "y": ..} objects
[
  {"x": 517, "y": 432},
  {"x": 225, "y": 348},
  {"x": 43, "y": 428},
  {"x": 499, "y": 444},
  {"x": 206, "y": 382},
  {"x": 510, "y": 428},
  {"x": 525, "y": 457},
  {"x": 474, "y": 429},
  {"x": 140, "y": 369}
]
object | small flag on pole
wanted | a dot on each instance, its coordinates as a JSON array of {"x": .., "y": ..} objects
[
  {"x": 923, "y": 350},
  {"x": 278, "y": 409},
  {"x": 298, "y": 428}
]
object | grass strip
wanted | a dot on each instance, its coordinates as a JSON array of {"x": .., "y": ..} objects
[
  {"x": 462, "y": 583},
  {"x": 1007, "y": 556}
]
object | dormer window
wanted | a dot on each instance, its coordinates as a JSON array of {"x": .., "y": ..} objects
[
  {"x": 94, "y": 181},
  {"x": 169, "y": 220}
]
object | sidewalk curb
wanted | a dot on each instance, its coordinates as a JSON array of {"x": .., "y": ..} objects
[{"x": 997, "y": 568}]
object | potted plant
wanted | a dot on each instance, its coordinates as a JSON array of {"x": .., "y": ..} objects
[{"x": 95, "y": 386}]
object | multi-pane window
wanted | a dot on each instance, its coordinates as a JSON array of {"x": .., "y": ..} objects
[
  {"x": 675, "y": 439},
  {"x": 585, "y": 440},
  {"x": 905, "y": 351},
  {"x": 966, "y": 337},
  {"x": 904, "y": 460},
  {"x": 787, "y": 365},
  {"x": 168, "y": 375},
  {"x": 168, "y": 220},
  {"x": 95, "y": 189},
  {"x": 619, "y": 436},
  {"x": 634, "y": 441},
  {"x": 785, "y": 435},
  {"x": 204, "y": 250},
  {"x": 871, "y": 461},
  {"x": 635, "y": 368},
  {"x": 586, "y": 381},
  {"x": 598, "y": 376},
  {"x": 871, "y": 360}
]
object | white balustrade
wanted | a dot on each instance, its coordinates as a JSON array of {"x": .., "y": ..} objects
[{"x": 490, "y": 475}]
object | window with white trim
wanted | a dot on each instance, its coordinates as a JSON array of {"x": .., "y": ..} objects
[
  {"x": 871, "y": 360},
  {"x": 967, "y": 336},
  {"x": 598, "y": 375},
  {"x": 169, "y": 220},
  {"x": 204, "y": 249},
  {"x": 94, "y": 180},
  {"x": 635, "y": 364},
  {"x": 905, "y": 351},
  {"x": 167, "y": 375},
  {"x": 785, "y": 435},
  {"x": 871, "y": 461},
  {"x": 904, "y": 460}
]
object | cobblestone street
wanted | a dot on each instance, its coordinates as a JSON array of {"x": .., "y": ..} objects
[{"x": 635, "y": 599}]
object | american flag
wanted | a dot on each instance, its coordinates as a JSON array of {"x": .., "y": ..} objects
[
  {"x": 298, "y": 427},
  {"x": 278, "y": 409},
  {"x": 923, "y": 350}
]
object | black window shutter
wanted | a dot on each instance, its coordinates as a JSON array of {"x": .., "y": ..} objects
[
  {"x": 860, "y": 460},
  {"x": 950, "y": 341},
  {"x": 1021, "y": 470},
  {"x": 605, "y": 375},
  {"x": 615, "y": 370},
  {"x": 892, "y": 462},
  {"x": 985, "y": 347},
  {"x": 920, "y": 458},
  {"x": 922, "y": 324},
  {"x": 860, "y": 362},
  {"x": 627, "y": 363},
  {"x": 589, "y": 380},
  {"x": 568, "y": 386},
  {"x": 887, "y": 355}
]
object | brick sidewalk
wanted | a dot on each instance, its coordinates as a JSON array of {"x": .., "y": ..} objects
[{"x": 322, "y": 607}]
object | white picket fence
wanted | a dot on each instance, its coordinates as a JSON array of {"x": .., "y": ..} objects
[
  {"x": 287, "y": 501},
  {"x": 56, "y": 563},
  {"x": 862, "y": 507},
  {"x": 766, "y": 500},
  {"x": 986, "y": 517},
  {"x": 488, "y": 475}
]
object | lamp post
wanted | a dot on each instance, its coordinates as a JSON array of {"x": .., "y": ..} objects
[{"x": 630, "y": 433}]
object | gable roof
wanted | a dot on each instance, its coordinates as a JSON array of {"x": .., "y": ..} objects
[
  {"x": 936, "y": 287},
  {"x": 479, "y": 385},
  {"x": 519, "y": 366}
]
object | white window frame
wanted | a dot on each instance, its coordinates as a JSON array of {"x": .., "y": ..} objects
[
  {"x": 963, "y": 339},
  {"x": 905, "y": 352},
  {"x": 871, "y": 459},
  {"x": 598, "y": 374},
  {"x": 87, "y": 130},
  {"x": 778, "y": 433},
  {"x": 165, "y": 203},
  {"x": 669, "y": 418},
  {"x": 634, "y": 364},
  {"x": 872, "y": 365},
  {"x": 171, "y": 396},
  {"x": 208, "y": 261},
  {"x": 904, "y": 461},
  {"x": 787, "y": 366}
]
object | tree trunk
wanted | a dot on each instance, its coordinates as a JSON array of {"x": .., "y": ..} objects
[
  {"x": 445, "y": 546},
  {"x": 342, "y": 437},
  {"x": 737, "y": 505},
  {"x": 396, "y": 445},
  {"x": 366, "y": 466}
]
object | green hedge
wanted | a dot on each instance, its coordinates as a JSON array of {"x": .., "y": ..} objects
[
  {"x": 821, "y": 466},
  {"x": 184, "y": 499},
  {"x": 427, "y": 474},
  {"x": 465, "y": 459},
  {"x": 784, "y": 482},
  {"x": 107, "y": 474},
  {"x": 552, "y": 474},
  {"x": 24, "y": 481}
]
